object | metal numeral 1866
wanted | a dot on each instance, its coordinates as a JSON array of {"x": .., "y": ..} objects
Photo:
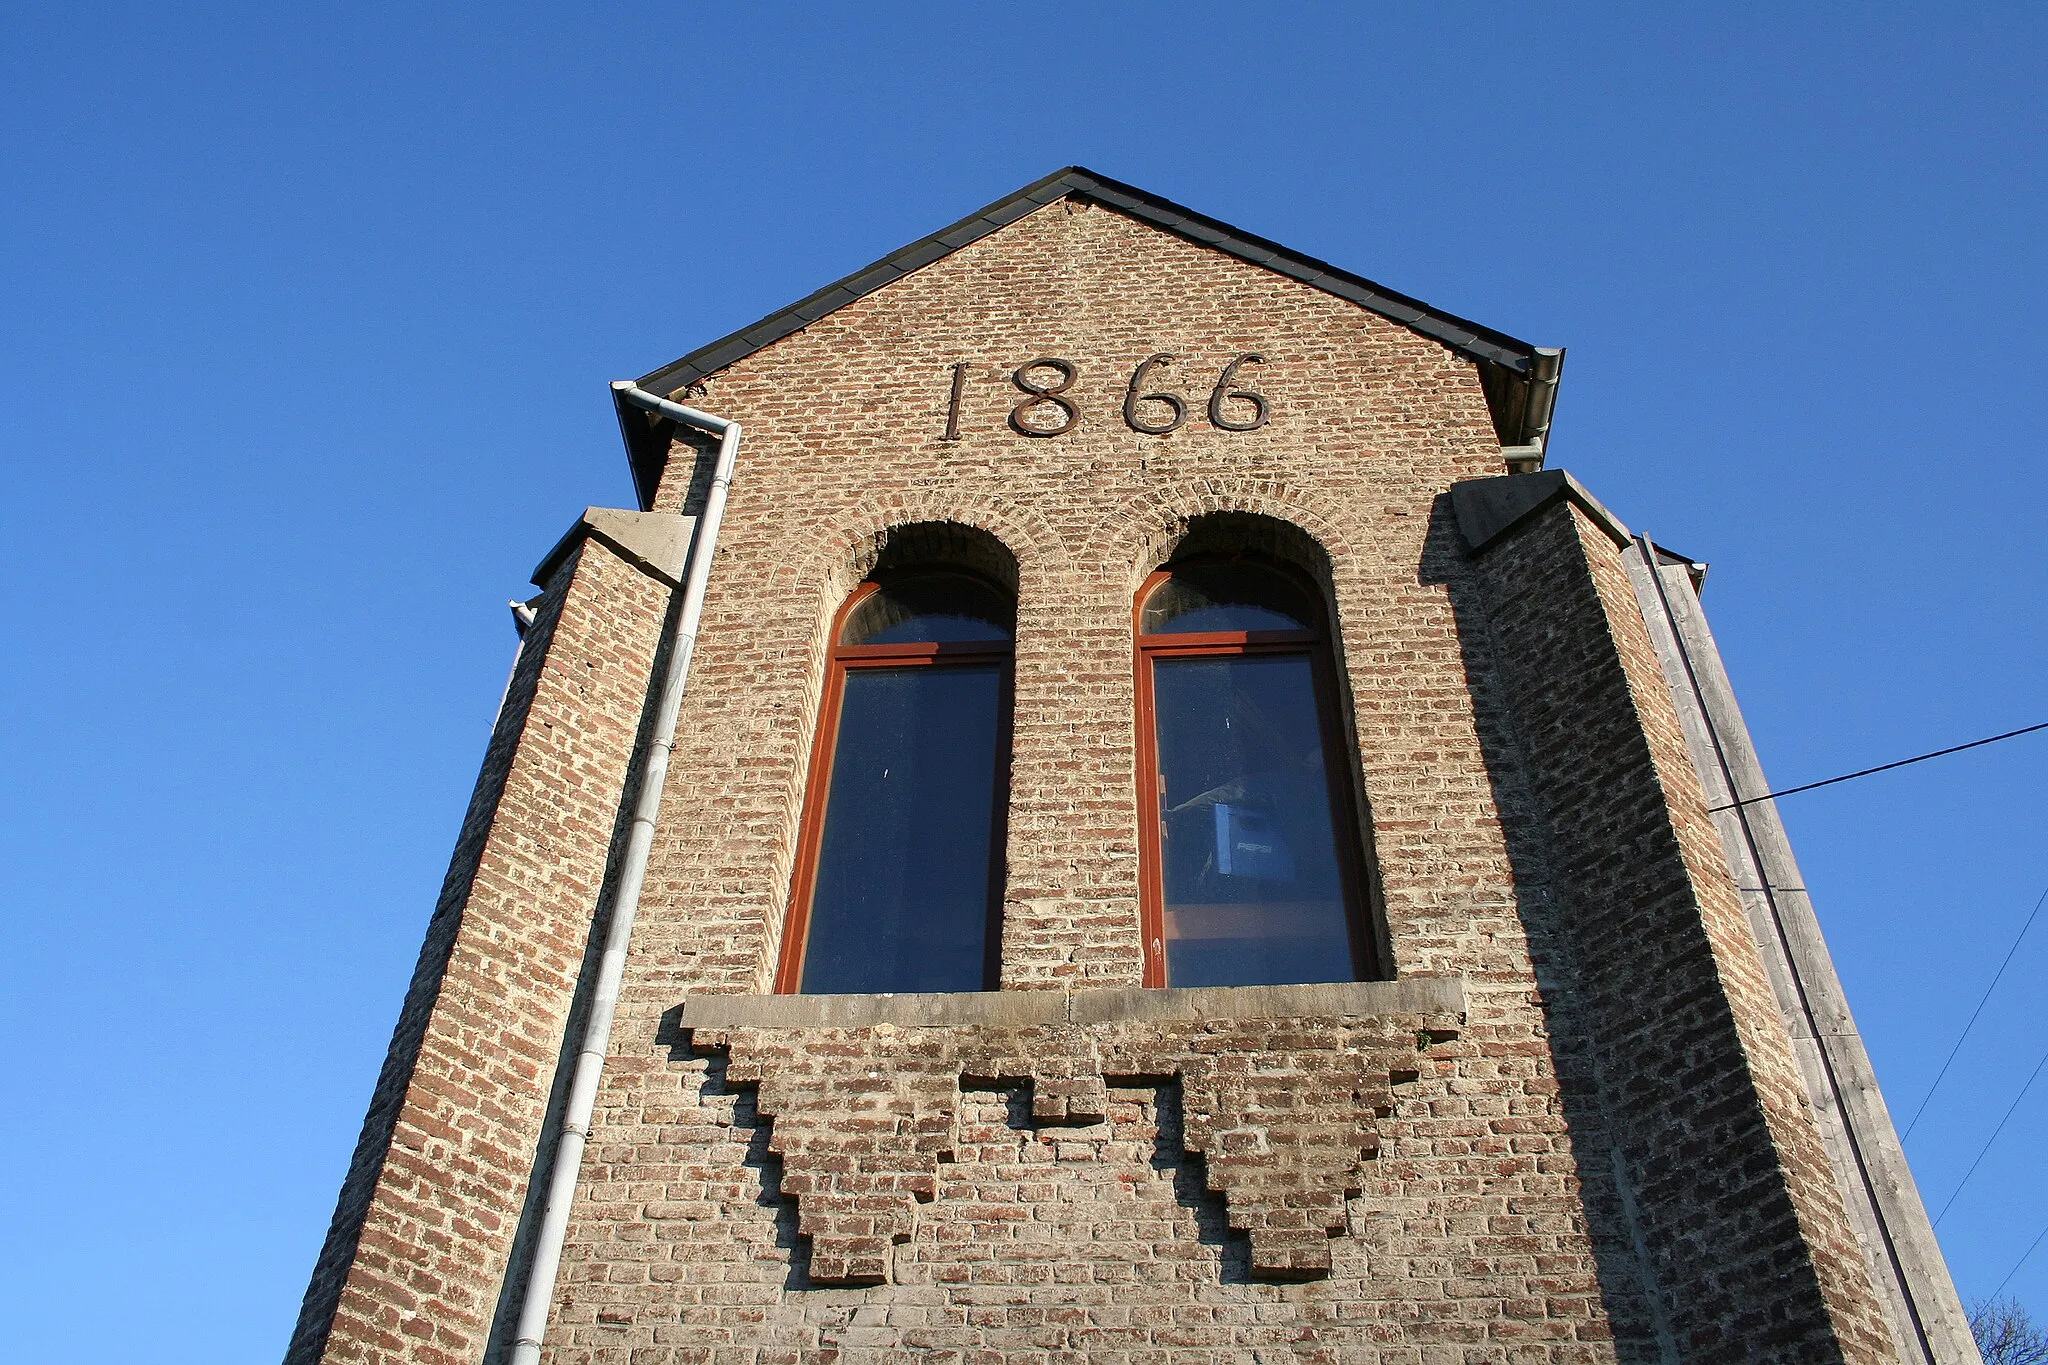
[{"x": 1048, "y": 408}]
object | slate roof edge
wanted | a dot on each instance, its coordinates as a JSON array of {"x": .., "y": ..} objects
[
  {"x": 1460, "y": 334},
  {"x": 1468, "y": 338}
]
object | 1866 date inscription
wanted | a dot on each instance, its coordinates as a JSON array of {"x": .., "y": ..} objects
[{"x": 1048, "y": 408}]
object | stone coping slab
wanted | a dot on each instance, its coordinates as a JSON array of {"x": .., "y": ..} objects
[
  {"x": 1013, "y": 1009},
  {"x": 1488, "y": 509}
]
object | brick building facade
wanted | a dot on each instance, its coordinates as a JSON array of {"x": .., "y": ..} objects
[{"x": 1595, "y": 1098}]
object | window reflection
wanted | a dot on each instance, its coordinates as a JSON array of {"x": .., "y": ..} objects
[
  {"x": 1253, "y": 890},
  {"x": 1228, "y": 596},
  {"x": 902, "y": 891},
  {"x": 1254, "y": 870},
  {"x": 937, "y": 607},
  {"x": 899, "y": 863}
]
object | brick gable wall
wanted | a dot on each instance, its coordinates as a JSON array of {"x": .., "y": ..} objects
[{"x": 1529, "y": 1199}]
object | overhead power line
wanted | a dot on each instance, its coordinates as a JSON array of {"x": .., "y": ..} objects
[
  {"x": 1880, "y": 768},
  {"x": 2020, "y": 1262},
  {"x": 1981, "y": 1000},
  {"x": 1983, "y": 1151}
]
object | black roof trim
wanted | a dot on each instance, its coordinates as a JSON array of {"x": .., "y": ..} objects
[
  {"x": 1496, "y": 351},
  {"x": 1481, "y": 343}
]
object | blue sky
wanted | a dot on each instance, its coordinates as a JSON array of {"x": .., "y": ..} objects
[{"x": 310, "y": 315}]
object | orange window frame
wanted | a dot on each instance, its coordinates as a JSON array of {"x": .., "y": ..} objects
[
  {"x": 842, "y": 660},
  {"x": 1337, "y": 766}
]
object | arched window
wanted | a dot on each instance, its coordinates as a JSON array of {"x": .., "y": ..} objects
[
  {"x": 899, "y": 864},
  {"x": 1251, "y": 864}
]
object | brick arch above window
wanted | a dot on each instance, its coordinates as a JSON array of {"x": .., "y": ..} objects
[
  {"x": 1288, "y": 523},
  {"x": 855, "y": 537}
]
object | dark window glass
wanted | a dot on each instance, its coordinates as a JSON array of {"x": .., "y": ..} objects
[
  {"x": 1201, "y": 598},
  {"x": 1253, "y": 889},
  {"x": 902, "y": 891},
  {"x": 1252, "y": 863},
  {"x": 936, "y": 607},
  {"x": 899, "y": 866}
]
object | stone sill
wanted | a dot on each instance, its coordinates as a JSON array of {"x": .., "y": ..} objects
[{"x": 1437, "y": 995}]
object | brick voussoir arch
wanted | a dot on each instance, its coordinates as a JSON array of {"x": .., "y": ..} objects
[
  {"x": 850, "y": 543},
  {"x": 846, "y": 546},
  {"x": 1145, "y": 531}
]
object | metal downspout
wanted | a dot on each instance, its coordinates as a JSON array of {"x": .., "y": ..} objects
[
  {"x": 567, "y": 1163},
  {"x": 1544, "y": 372}
]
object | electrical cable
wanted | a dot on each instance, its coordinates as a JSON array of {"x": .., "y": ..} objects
[
  {"x": 1880, "y": 768},
  {"x": 2020, "y": 1262},
  {"x": 1985, "y": 1150},
  {"x": 1981, "y": 1001}
]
